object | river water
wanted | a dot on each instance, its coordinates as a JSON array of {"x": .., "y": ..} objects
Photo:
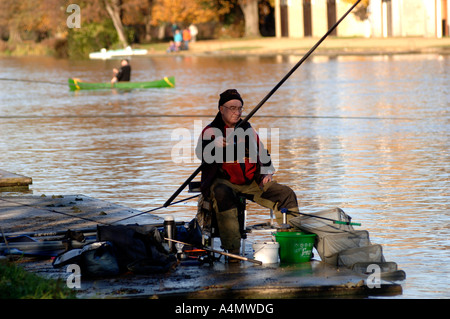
[{"x": 368, "y": 134}]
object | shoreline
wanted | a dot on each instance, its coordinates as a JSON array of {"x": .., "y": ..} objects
[
  {"x": 270, "y": 46},
  {"x": 329, "y": 47}
]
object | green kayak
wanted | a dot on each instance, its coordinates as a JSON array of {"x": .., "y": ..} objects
[{"x": 77, "y": 84}]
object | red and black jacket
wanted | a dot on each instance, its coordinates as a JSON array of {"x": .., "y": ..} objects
[{"x": 240, "y": 162}]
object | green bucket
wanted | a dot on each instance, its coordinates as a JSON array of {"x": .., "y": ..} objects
[{"x": 295, "y": 247}]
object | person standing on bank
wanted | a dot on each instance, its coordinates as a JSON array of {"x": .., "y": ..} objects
[
  {"x": 186, "y": 38},
  {"x": 178, "y": 39},
  {"x": 123, "y": 74},
  {"x": 235, "y": 167}
]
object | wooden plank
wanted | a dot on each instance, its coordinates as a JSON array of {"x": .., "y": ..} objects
[
  {"x": 8, "y": 179},
  {"x": 32, "y": 214}
]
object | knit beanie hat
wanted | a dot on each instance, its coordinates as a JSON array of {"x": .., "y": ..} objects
[{"x": 230, "y": 94}]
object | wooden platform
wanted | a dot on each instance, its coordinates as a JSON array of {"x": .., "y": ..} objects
[
  {"x": 49, "y": 213},
  {"x": 221, "y": 280},
  {"x": 193, "y": 280},
  {"x": 11, "y": 181}
]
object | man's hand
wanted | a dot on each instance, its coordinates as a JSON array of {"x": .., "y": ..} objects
[{"x": 266, "y": 179}]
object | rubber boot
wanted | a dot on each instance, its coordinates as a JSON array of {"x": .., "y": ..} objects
[{"x": 230, "y": 235}]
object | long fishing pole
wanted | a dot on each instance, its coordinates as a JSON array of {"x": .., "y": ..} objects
[
  {"x": 33, "y": 81},
  {"x": 59, "y": 212},
  {"x": 56, "y": 233},
  {"x": 339, "y": 222},
  {"x": 257, "y": 107},
  {"x": 157, "y": 208}
]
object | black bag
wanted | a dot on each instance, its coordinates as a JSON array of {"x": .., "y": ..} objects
[
  {"x": 137, "y": 249},
  {"x": 190, "y": 233},
  {"x": 98, "y": 260},
  {"x": 118, "y": 249},
  {"x": 95, "y": 260}
]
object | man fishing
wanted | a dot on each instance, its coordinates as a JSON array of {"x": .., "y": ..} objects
[
  {"x": 123, "y": 74},
  {"x": 237, "y": 165}
]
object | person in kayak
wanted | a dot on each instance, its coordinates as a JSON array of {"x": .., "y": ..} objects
[
  {"x": 239, "y": 167},
  {"x": 123, "y": 74}
]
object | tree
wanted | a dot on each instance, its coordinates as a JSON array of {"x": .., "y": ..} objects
[
  {"x": 361, "y": 11},
  {"x": 250, "y": 10},
  {"x": 138, "y": 13},
  {"x": 30, "y": 19},
  {"x": 113, "y": 9},
  {"x": 188, "y": 11}
]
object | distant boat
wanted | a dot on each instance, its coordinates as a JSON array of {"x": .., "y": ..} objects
[
  {"x": 108, "y": 54},
  {"x": 77, "y": 84}
]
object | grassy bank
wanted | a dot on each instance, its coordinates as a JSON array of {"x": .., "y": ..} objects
[
  {"x": 260, "y": 45},
  {"x": 16, "y": 283},
  {"x": 26, "y": 48}
]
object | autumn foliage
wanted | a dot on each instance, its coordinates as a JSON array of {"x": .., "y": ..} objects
[
  {"x": 109, "y": 23},
  {"x": 27, "y": 19},
  {"x": 188, "y": 11}
]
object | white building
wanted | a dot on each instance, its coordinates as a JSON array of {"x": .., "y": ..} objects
[{"x": 383, "y": 18}]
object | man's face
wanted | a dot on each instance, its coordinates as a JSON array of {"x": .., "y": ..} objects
[{"x": 231, "y": 112}]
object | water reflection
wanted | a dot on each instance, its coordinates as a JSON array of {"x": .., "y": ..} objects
[{"x": 367, "y": 134}]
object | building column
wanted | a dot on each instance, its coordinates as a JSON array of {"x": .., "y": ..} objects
[
  {"x": 277, "y": 19},
  {"x": 438, "y": 18},
  {"x": 444, "y": 18}
]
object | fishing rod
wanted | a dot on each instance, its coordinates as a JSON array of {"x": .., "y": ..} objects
[
  {"x": 257, "y": 107},
  {"x": 33, "y": 81},
  {"x": 71, "y": 116},
  {"x": 339, "y": 222},
  {"x": 58, "y": 212},
  {"x": 219, "y": 252},
  {"x": 56, "y": 233},
  {"x": 157, "y": 208}
]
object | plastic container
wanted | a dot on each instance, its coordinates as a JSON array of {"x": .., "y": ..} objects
[
  {"x": 295, "y": 247},
  {"x": 266, "y": 252}
]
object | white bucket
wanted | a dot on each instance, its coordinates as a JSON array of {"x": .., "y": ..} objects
[{"x": 266, "y": 252}]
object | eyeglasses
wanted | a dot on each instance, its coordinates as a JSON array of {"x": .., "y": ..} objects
[{"x": 234, "y": 108}]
